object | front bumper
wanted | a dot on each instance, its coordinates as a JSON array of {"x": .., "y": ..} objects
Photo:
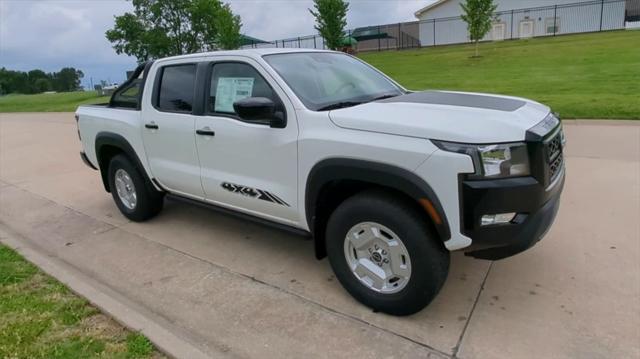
[{"x": 536, "y": 206}]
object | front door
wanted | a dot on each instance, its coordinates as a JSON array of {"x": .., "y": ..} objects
[
  {"x": 526, "y": 29},
  {"x": 168, "y": 131},
  {"x": 247, "y": 166},
  {"x": 497, "y": 32}
]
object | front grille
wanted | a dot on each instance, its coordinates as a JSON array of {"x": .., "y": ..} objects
[
  {"x": 554, "y": 157},
  {"x": 554, "y": 148},
  {"x": 555, "y": 167}
]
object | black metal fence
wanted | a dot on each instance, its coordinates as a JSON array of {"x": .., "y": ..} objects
[{"x": 587, "y": 16}]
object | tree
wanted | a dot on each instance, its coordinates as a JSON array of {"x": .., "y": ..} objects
[
  {"x": 478, "y": 14},
  {"x": 14, "y": 81},
  {"x": 228, "y": 30},
  {"x": 41, "y": 85},
  {"x": 331, "y": 19},
  {"x": 68, "y": 79},
  {"x": 160, "y": 28},
  {"x": 37, "y": 81}
]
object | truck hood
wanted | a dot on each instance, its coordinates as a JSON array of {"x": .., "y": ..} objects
[{"x": 449, "y": 116}]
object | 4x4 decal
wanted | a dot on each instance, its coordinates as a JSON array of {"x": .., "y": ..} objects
[{"x": 253, "y": 193}]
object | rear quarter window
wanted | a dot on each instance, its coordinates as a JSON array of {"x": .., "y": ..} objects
[{"x": 128, "y": 96}]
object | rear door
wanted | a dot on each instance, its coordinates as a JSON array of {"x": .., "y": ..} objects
[
  {"x": 247, "y": 166},
  {"x": 169, "y": 130}
]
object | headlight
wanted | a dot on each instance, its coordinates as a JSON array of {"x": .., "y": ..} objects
[{"x": 493, "y": 161}]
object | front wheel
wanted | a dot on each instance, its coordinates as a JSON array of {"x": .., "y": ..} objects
[
  {"x": 135, "y": 198},
  {"x": 385, "y": 254}
]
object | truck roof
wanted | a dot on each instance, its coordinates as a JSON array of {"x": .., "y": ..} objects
[{"x": 254, "y": 53}]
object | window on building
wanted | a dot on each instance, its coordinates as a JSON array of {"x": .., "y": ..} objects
[{"x": 552, "y": 25}]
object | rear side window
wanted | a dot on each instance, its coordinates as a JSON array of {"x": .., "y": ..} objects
[{"x": 177, "y": 84}]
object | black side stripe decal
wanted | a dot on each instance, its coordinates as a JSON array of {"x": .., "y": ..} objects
[
  {"x": 253, "y": 193},
  {"x": 270, "y": 196},
  {"x": 279, "y": 199}
]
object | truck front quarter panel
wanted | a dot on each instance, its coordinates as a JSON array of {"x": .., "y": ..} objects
[
  {"x": 366, "y": 157},
  {"x": 441, "y": 171}
]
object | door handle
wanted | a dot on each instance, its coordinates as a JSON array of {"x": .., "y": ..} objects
[
  {"x": 205, "y": 132},
  {"x": 151, "y": 126}
]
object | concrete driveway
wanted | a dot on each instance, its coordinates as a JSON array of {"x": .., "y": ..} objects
[{"x": 221, "y": 285}]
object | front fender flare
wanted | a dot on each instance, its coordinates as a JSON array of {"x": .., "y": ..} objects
[{"x": 375, "y": 173}]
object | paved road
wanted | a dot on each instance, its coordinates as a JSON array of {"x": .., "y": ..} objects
[{"x": 237, "y": 288}]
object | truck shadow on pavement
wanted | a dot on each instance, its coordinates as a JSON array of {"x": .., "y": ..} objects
[{"x": 287, "y": 262}]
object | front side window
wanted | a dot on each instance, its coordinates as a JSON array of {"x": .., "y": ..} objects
[
  {"x": 176, "y": 88},
  {"x": 325, "y": 80},
  {"x": 233, "y": 81}
]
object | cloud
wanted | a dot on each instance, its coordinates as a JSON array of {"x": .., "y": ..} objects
[
  {"x": 53, "y": 34},
  {"x": 278, "y": 19}
]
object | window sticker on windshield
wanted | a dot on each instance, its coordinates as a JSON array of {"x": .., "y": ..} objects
[{"x": 230, "y": 90}]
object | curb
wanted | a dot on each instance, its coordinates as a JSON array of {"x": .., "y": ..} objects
[
  {"x": 161, "y": 333},
  {"x": 599, "y": 122}
]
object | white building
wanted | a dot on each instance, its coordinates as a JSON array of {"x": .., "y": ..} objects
[{"x": 440, "y": 21}]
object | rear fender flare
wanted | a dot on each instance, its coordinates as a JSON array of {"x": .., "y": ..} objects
[{"x": 111, "y": 139}]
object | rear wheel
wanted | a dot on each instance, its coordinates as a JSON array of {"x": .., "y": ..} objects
[
  {"x": 385, "y": 254},
  {"x": 135, "y": 198}
]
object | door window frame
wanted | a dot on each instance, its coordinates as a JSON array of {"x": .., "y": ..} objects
[
  {"x": 280, "y": 105},
  {"x": 155, "y": 97}
]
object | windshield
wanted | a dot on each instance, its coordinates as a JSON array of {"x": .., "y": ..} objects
[{"x": 326, "y": 80}]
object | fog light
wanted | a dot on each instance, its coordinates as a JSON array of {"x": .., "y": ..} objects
[{"x": 501, "y": 218}]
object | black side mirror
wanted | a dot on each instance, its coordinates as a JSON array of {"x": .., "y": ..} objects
[{"x": 259, "y": 109}]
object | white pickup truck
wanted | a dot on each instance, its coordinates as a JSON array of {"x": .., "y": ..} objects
[{"x": 385, "y": 181}]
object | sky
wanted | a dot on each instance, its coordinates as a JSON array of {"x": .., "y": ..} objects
[{"x": 51, "y": 34}]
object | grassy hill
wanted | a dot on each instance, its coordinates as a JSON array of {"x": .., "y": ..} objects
[
  {"x": 55, "y": 102},
  {"x": 579, "y": 76}
]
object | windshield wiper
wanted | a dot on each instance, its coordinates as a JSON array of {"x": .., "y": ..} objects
[
  {"x": 337, "y": 105},
  {"x": 343, "y": 104},
  {"x": 382, "y": 97}
]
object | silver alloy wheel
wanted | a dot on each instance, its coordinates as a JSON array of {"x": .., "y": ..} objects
[
  {"x": 126, "y": 189},
  {"x": 377, "y": 257}
]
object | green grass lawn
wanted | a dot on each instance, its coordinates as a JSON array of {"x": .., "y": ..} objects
[
  {"x": 41, "y": 318},
  {"x": 55, "y": 102},
  {"x": 579, "y": 76}
]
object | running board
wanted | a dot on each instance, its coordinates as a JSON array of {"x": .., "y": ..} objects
[{"x": 230, "y": 212}]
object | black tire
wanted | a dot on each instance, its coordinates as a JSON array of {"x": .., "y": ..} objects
[
  {"x": 429, "y": 257},
  {"x": 148, "y": 202}
]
